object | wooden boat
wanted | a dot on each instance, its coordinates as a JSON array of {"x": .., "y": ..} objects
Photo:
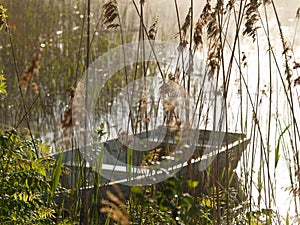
[{"x": 207, "y": 164}]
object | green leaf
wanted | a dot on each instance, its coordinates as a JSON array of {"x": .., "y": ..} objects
[
  {"x": 136, "y": 189},
  {"x": 287, "y": 219},
  {"x": 2, "y": 84},
  {"x": 277, "y": 156},
  {"x": 3, "y": 16},
  {"x": 259, "y": 185},
  {"x": 207, "y": 202},
  {"x": 44, "y": 148},
  {"x": 100, "y": 131},
  {"x": 56, "y": 174},
  {"x": 192, "y": 184}
]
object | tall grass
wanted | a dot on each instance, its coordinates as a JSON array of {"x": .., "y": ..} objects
[{"x": 242, "y": 45}]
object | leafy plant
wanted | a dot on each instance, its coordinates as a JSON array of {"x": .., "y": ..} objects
[
  {"x": 26, "y": 193},
  {"x": 3, "y": 16},
  {"x": 170, "y": 204},
  {"x": 174, "y": 204}
]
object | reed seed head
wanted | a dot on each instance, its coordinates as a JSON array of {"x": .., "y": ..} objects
[
  {"x": 31, "y": 70},
  {"x": 153, "y": 30},
  {"x": 115, "y": 207},
  {"x": 298, "y": 13},
  {"x": 110, "y": 14},
  {"x": 252, "y": 16}
]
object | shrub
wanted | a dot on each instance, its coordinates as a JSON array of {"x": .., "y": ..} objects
[{"x": 27, "y": 190}]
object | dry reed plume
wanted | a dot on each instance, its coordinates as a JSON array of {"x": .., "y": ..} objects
[
  {"x": 252, "y": 17},
  {"x": 115, "y": 207},
  {"x": 201, "y": 24},
  {"x": 31, "y": 71},
  {"x": 110, "y": 14},
  {"x": 184, "y": 28},
  {"x": 153, "y": 30}
]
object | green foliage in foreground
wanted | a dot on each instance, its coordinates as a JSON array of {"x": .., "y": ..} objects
[
  {"x": 27, "y": 190},
  {"x": 3, "y": 16},
  {"x": 174, "y": 205},
  {"x": 171, "y": 205},
  {"x": 2, "y": 84},
  {"x": 29, "y": 184}
]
